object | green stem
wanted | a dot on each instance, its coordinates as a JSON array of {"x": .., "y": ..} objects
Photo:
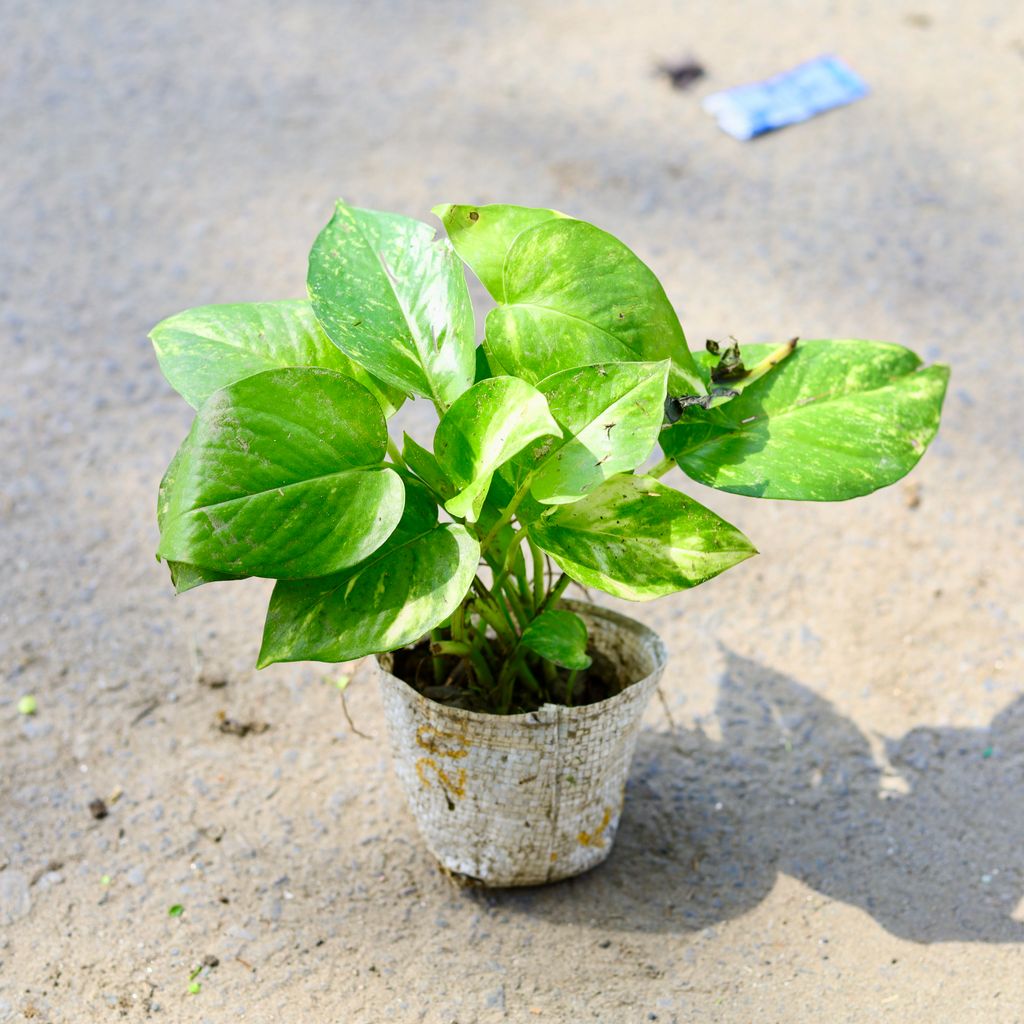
[
  {"x": 479, "y": 663},
  {"x": 538, "y": 574},
  {"x": 570, "y": 685},
  {"x": 459, "y": 623},
  {"x": 510, "y": 511},
  {"x": 555, "y": 593},
  {"x": 436, "y": 637},
  {"x": 493, "y": 619},
  {"x": 458, "y": 648},
  {"x": 509, "y": 560},
  {"x": 396, "y": 455},
  {"x": 527, "y": 673},
  {"x": 661, "y": 468},
  {"x": 518, "y": 610}
]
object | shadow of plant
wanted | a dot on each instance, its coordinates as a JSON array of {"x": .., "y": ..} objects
[{"x": 928, "y": 846}]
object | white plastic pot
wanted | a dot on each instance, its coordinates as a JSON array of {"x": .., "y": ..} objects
[{"x": 505, "y": 800}]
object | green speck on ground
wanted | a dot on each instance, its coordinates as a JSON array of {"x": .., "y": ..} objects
[
  {"x": 27, "y": 705},
  {"x": 176, "y": 910}
]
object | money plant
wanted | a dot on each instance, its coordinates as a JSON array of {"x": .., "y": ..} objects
[{"x": 462, "y": 551}]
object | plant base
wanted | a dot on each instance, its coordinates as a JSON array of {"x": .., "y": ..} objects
[{"x": 507, "y": 800}]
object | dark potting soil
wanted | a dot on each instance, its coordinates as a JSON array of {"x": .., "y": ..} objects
[{"x": 414, "y": 665}]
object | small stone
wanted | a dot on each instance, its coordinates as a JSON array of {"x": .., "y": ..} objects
[
  {"x": 15, "y": 899},
  {"x": 49, "y": 880},
  {"x": 496, "y": 999},
  {"x": 98, "y": 808},
  {"x": 210, "y": 960},
  {"x": 135, "y": 876}
]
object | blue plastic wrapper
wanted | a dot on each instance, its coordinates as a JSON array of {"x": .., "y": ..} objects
[{"x": 796, "y": 95}]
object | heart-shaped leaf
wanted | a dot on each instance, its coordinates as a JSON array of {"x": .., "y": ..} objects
[
  {"x": 394, "y": 298},
  {"x": 835, "y": 420},
  {"x": 410, "y": 585},
  {"x": 560, "y": 636},
  {"x": 203, "y": 350},
  {"x": 280, "y": 476},
  {"x": 485, "y": 427},
  {"x": 483, "y": 235},
  {"x": 570, "y": 295},
  {"x": 610, "y": 415},
  {"x": 635, "y": 538}
]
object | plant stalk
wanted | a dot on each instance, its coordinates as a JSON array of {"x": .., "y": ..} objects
[{"x": 661, "y": 468}]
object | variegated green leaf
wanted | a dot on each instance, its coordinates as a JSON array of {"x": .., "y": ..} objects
[
  {"x": 410, "y": 585},
  {"x": 489, "y": 424},
  {"x": 637, "y": 539},
  {"x": 203, "y": 350},
  {"x": 394, "y": 298},
  {"x": 280, "y": 476},
  {"x": 835, "y": 420},
  {"x": 559, "y": 636},
  {"x": 610, "y": 415},
  {"x": 483, "y": 235},
  {"x": 570, "y": 295}
]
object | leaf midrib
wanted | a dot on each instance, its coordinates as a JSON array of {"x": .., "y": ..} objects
[
  {"x": 413, "y": 334},
  {"x": 646, "y": 541},
  {"x": 283, "y": 487}
]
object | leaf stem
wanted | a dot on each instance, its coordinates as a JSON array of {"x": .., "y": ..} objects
[
  {"x": 537, "y": 557},
  {"x": 510, "y": 558},
  {"x": 458, "y": 648},
  {"x": 490, "y": 615},
  {"x": 510, "y": 511},
  {"x": 555, "y": 593},
  {"x": 436, "y": 637},
  {"x": 661, "y": 468},
  {"x": 396, "y": 455},
  {"x": 569, "y": 686}
]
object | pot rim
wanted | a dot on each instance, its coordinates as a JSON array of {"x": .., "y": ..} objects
[{"x": 658, "y": 650}]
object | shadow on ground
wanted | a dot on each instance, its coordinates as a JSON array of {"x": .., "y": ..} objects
[{"x": 927, "y": 844}]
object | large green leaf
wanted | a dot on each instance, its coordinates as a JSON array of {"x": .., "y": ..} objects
[
  {"x": 280, "y": 476},
  {"x": 483, "y": 235},
  {"x": 493, "y": 421},
  {"x": 835, "y": 420},
  {"x": 203, "y": 350},
  {"x": 394, "y": 298},
  {"x": 410, "y": 585},
  {"x": 610, "y": 415},
  {"x": 570, "y": 294},
  {"x": 560, "y": 636},
  {"x": 635, "y": 538}
]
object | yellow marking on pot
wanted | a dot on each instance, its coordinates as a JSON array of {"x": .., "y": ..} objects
[
  {"x": 596, "y": 838},
  {"x": 456, "y": 787},
  {"x": 434, "y": 741}
]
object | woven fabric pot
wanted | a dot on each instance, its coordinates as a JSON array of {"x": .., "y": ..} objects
[{"x": 507, "y": 800}]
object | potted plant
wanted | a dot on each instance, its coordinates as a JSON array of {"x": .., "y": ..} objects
[{"x": 512, "y": 711}]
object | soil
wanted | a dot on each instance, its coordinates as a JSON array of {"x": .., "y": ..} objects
[
  {"x": 828, "y": 828},
  {"x": 603, "y": 679}
]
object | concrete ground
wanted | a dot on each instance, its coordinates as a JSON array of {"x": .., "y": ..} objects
[{"x": 832, "y": 828}]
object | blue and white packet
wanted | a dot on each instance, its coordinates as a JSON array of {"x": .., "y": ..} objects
[{"x": 793, "y": 96}]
